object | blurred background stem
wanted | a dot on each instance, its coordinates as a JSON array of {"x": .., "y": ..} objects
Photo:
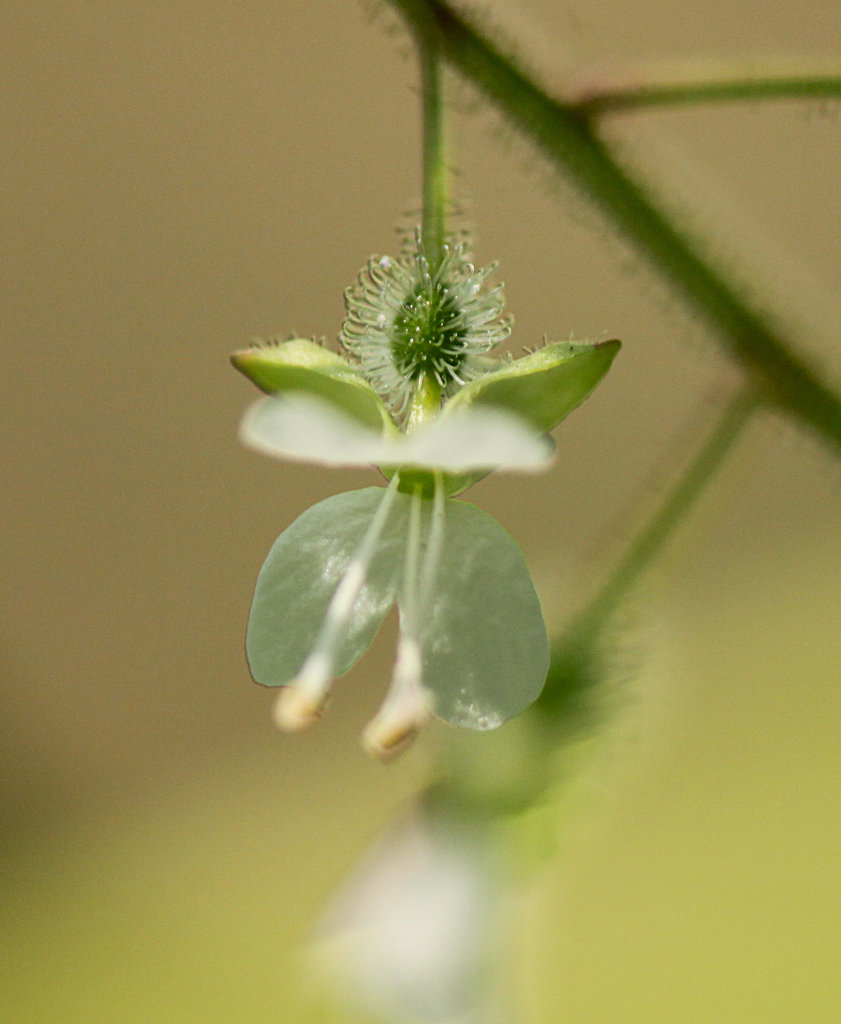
[
  {"x": 589, "y": 624},
  {"x": 693, "y": 82},
  {"x": 484, "y": 776}
]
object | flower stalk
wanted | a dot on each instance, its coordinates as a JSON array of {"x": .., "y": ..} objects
[{"x": 434, "y": 154}]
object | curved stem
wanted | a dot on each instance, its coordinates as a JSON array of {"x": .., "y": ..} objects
[
  {"x": 569, "y": 140},
  {"x": 702, "y": 82},
  {"x": 674, "y": 508},
  {"x": 587, "y": 626}
]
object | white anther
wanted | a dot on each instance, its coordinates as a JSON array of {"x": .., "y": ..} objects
[{"x": 300, "y": 703}]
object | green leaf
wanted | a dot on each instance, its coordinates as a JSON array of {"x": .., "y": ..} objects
[
  {"x": 485, "y": 651},
  {"x": 543, "y": 387},
  {"x": 300, "y": 575},
  {"x": 302, "y": 366}
]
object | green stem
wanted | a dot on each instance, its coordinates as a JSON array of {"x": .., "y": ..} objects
[
  {"x": 483, "y": 777},
  {"x": 434, "y": 154},
  {"x": 674, "y": 508},
  {"x": 587, "y": 626},
  {"x": 705, "y": 82},
  {"x": 426, "y": 402},
  {"x": 569, "y": 141}
]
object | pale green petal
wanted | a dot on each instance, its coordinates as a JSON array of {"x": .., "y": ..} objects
[
  {"x": 543, "y": 387},
  {"x": 485, "y": 651},
  {"x": 473, "y": 439},
  {"x": 306, "y": 429},
  {"x": 301, "y": 574},
  {"x": 300, "y": 366}
]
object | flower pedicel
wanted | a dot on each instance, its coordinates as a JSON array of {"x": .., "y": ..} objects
[{"x": 417, "y": 395}]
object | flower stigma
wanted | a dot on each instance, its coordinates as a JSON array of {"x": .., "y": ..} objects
[{"x": 407, "y": 323}]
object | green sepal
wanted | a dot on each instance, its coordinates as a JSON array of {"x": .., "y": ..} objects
[
  {"x": 454, "y": 483},
  {"x": 303, "y": 366},
  {"x": 543, "y": 387}
]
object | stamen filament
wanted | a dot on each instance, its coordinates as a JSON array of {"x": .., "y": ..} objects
[
  {"x": 407, "y": 704},
  {"x": 299, "y": 703},
  {"x": 406, "y": 707},
  {"x": 429, "y": 570}
]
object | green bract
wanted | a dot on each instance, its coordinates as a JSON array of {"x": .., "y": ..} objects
[
  {"x": 323, "y": 410},
  {"x": 418, "y": 396},
  {"x": 302, "y": 367},
  {"x": 543, "y": 387}
]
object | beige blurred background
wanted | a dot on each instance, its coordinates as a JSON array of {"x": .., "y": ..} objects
[{"x": 179, "y": 179}]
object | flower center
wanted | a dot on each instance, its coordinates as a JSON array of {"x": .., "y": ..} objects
[
  {"x": 428, "y": 334},
  {"x": 407, "y": 323}
]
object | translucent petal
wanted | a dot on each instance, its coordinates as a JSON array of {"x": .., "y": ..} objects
[
  {"x": 543, "y": 387},
  {"x": 300, "y": 366},
  {"x": 472, "y": 439},
  {"x": 309, "y": 430},
  {"x": 300, "y": 575},
  {"x": 485, "y": 650},
  {"x": 304, "y": 428},
  {"x": 410, "y": 934}
]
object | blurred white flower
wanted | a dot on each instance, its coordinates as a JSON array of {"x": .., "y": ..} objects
[{"x": 408, "y": 937}]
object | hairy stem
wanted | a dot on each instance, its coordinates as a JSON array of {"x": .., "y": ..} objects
[
  {"x": 571, "y": 142},
  {"x": 702, "y": 82}
]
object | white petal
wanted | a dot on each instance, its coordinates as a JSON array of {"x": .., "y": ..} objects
[
  {"x": 303, "y": 428},
  {"x": 476, "y": 439},
  {"x": 308, "y": 430},
  {"x": 408, "y": 937}
]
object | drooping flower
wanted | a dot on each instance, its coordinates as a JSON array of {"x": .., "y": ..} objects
[{"x": 417, "y": 396}]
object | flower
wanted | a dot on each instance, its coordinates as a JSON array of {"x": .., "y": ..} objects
[
  {"x": 417, "y": 396},
  {"x": 411, "y": 933}
]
